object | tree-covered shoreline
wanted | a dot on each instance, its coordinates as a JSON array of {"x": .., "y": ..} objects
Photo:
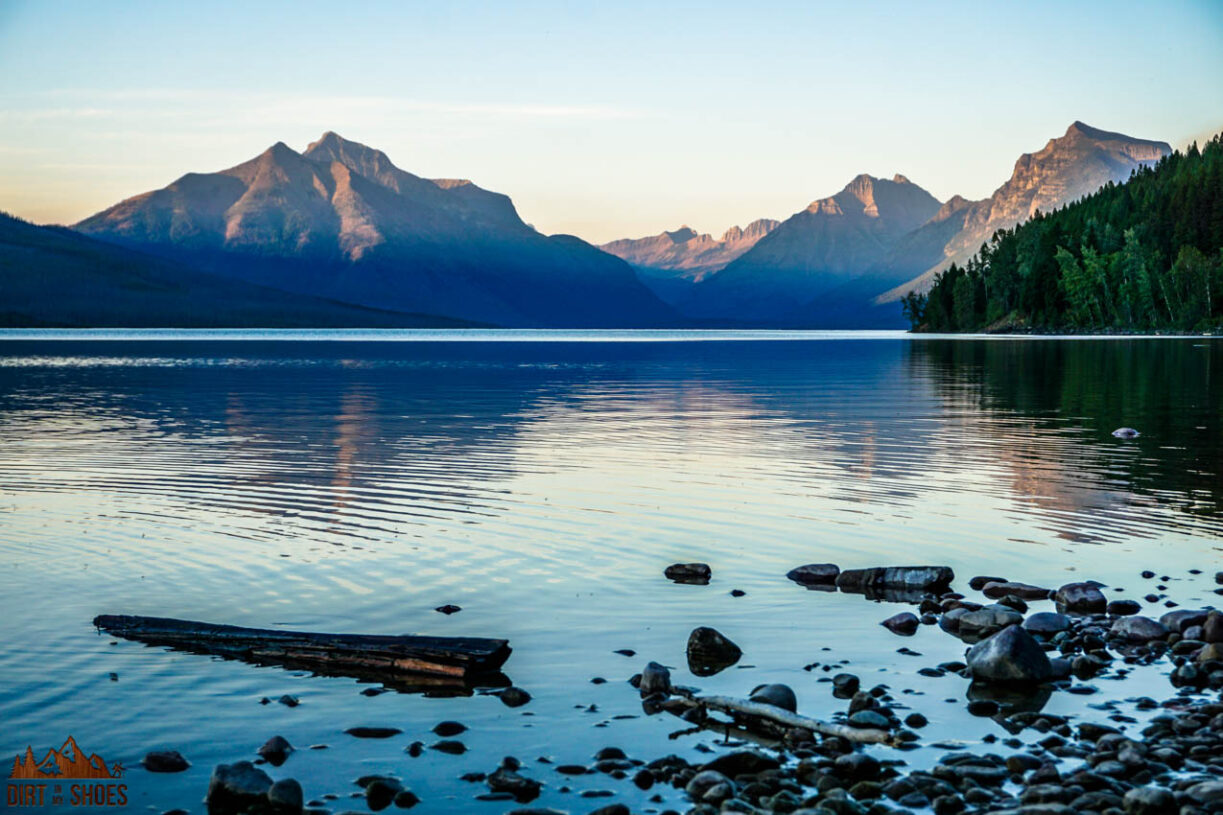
[{"x": 1143, "y": 256}]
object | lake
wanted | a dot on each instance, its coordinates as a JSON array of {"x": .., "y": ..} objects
[{"x": 342, "y": 481}]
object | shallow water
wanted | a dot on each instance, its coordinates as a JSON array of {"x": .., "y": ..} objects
[{"x": 542, "y": 482}]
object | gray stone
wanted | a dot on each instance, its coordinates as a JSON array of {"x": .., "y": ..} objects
[
  {"x": 696, "y": 573},
  {"x": 286, "y": 796},
  {"x": 905, "y": 623},
  {"x": 869, "y": 719},
  {"x": 901, "y": 578},
  {"x": 706, "y": 781},
  {"x": 1207, "y": 792},
  {"x": 1183, "y": 618},
  {"x": 1212, "y": 629},
  {"x": 275, "y": 750},
  {"x": 1025, "y": 591},
  {"x": 1081, "y": 598},
  {"x": 987, "y": 621},
  {"x": 1011, "y": 655},
  {"x": 1047, "y": 623},
  {"x": 1149, "y": 801},
  {"x": 1138, "y": 629},
  {"x": 235, "y": 787},
  {"x": 815, "y": 574},
  {"x": 777, "y": 695},
  {"x": 655, "y": 678}
]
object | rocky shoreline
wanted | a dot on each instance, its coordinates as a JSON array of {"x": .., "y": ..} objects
[{"x": 775, "y": 760}]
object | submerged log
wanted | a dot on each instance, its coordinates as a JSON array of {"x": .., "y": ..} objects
[
  {"x": 761, "y": 717},
  {"x": 419, "y": 662}
]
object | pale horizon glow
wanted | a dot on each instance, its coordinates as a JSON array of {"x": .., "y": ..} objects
[{"x": 604, "y": 122}]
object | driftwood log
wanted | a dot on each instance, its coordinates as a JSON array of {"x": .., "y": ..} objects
[
  {"x": 759, "y": 717},
  {"x": 410, "y": 662}
]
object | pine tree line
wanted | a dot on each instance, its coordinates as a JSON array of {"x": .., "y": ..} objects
[{"x": 1145, "y": 255}]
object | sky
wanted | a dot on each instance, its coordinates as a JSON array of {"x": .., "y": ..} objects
[{"x": 603, "y": 120}]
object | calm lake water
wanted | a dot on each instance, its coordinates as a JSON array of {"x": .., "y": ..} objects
[{"x": 335, "y": 482}]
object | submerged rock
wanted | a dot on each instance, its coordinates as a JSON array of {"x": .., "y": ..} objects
[
  {"x": 236, "y": 787},
  {"x": 895, "y": 578},
  {"x": 815, "y": 574},
  {"x": 165, "y": 761},
  {"x": 1010, "y": 656},
  {"x": 275, "y": 750},
  {"x": 514, "y": 696},
  {"x": 709, "y": 652},
  {"x": 285, "y": 796},
  {"x": 693, "y": 573},
  {"x": 1126, "y": 433}
]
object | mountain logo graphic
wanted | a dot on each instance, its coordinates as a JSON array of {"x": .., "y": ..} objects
[{"x": 68, "y": 762}]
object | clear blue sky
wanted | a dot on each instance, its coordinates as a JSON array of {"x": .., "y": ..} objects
[{"x": 604, "y": 120}]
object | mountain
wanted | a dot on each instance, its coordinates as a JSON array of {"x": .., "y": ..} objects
[
  {"x": 818, "y": 250},
  {"x": 1066, "y": 169},
  {"x": 670, "y": 262},
  {"x": 340, "y": 221},
  {"x": 54, "y": 277}
]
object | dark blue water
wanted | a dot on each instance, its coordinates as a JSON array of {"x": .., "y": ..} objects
[{"x": 355, "y": 485}]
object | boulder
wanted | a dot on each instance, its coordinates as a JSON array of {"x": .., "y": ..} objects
[
  {"x": 1212, "y": 629},
  {"x": 777, "y": 695},
  {"x": 1047, "y": 623},
  {"x": 655, "y": 678},
  {"x": 1081, "y": 598},
  {"x": 694, "y": 573},
  {"x": 285, "y": 796},
  {"x": 236, "y": 787},
  {"x": 986, "y": 621},
  {"x": 895, "y": 578},
  {"x": 905, "y": 624},
  {"x": 815, "y": 574},
  {"x": 1138, "y": 629},
  {"x": 1010, "y": 656},
  {"x": 709, "y": 652},
  {"x": 1183, "y": 618}
]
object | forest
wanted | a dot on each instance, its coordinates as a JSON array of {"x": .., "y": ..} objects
[{"x": 1144, "y": 255}]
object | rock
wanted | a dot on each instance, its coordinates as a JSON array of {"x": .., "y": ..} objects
[
  {"x": 1126, "y": 433},
  {"x": 950, "y": 621},
  {"x": 655, "y": 678},
  {"x": 236, "y": 787},
  {"x": 1047, "y": 623},
  {"x": 289, "y": 700},
  {"x": 1207, "y": 792},
  {"x": 905, "y": 624},
  {"x": 709, "y": 652},
  {"x": 692, "y": 573},
  {"x": 742, "y": 762},
  {"x": 1212, "y": 629},
  {"x": 373, "y": 732},
  {"x": 1211, "y": 653},
  {"x": 1011, "y": 655},
  {"x": 777, "y": 695},
  {"x": 815, "y": 574},
  {"x": 165, "y": 761},
  {"x": 1183, "y": 618},
  {"x": 286, "y": 796},
  {"x": 1121, "y": 608},
  {"x": 869, "y": 719},
  {"x": 916, "y": 720},
  {"x": 707, "y": 781},
  {"x": 448, "y": 609},
  {"x": 514, "y": 697},
  {"x": 897, "y": 578},
  {"x": 1024, "y": 591},
  {"x": 845, "y": 685},
  {"x": 980, "y": 581},
  {"x": 506, "y": 780},
  {"x": 611, "y": 809},
  {"x": 406, "y": 799},
  {"x": 450, "y": 747},
  {"x": 448, "y": 729},
  {"x": 1080, "y": 598},
  {"x": 1138, "y": 629},
  {"x": 986, "y": 621},
  {"x": 1149, "y": 801},
  {"x": 275, "y": 750},
  {"x": 857, "y": 767},
  {"x": 380, "y": 791}
]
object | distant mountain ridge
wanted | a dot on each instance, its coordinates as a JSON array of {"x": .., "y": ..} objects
[{"x": 340, "y": 221}]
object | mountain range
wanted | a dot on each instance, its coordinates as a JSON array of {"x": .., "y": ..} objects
[{"x": 338, "y": 235}]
